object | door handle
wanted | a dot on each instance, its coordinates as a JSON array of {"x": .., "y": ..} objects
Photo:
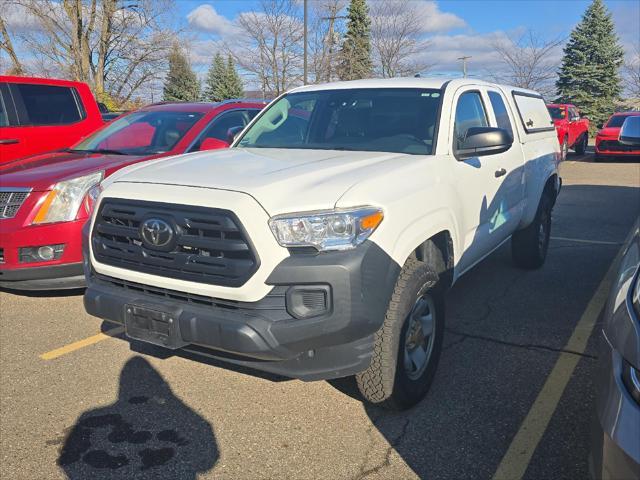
[
  {"x": 9, "y": 141},
  {"x": 501, "y": 172}
]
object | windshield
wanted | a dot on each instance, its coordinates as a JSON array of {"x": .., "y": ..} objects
[
  {"x": 399, "y": 120},
  {"x": 141, "y": 133},
  {"x": 616, "y": 121},
  {"x": 556, "y": 113}
]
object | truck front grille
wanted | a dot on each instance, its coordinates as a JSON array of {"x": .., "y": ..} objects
[
  {"x": 11, "y": 201},
  {"x": 206, "y": 245},
  {"x": 616, "y": 146}
]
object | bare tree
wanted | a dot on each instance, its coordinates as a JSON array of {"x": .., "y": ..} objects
[
  {"x": 397, "y": 37},
  {"x": 7, "y": 45},
  {"x": 528, "y": 62},
  {"x": 114, "y": 45},
  {"x": 269, "y": 45},
  {"x": 631, "y": 73},
  {"x": 324, "y": 43}
]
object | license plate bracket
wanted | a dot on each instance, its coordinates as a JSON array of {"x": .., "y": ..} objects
[{"x": 153, "y": 324}]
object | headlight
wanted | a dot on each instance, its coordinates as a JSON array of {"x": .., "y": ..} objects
[
  {"x": 327, "y": 230},
  {"x": 62, "y": 203},
  {"x": 91, "y": 198}
]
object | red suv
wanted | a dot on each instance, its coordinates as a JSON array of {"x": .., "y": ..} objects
[
  {"x": 607, "y": 144},
  {"x": 41, "y": 114},
  {"x": 46, "y": 199}
]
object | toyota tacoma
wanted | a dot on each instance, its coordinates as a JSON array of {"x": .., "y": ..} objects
[{"x": 321, "y": 244}]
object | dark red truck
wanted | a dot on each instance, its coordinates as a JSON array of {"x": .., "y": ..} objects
[{"x": 572, "y": 128}]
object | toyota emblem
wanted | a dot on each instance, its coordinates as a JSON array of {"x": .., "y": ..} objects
[{"x": 156, "y": 233}]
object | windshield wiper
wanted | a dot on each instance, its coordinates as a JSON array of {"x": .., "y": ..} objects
[{"x": 104, "y": 151}]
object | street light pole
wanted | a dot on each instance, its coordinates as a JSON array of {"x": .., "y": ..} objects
[
  {"x": 304, "y": 79},
  {"x": 464, "y": 64}
]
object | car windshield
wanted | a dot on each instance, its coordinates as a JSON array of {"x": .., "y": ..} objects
[
  {"x": 141, "y": 133},
  {"x": 399, "y": 120},
  {"x": 616, "y": 121},
  {"x": 556, "y": 113}
]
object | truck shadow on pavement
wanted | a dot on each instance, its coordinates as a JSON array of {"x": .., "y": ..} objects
[{"x": 147, "y": 433}]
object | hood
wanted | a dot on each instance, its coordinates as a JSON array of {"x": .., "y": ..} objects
[
  {"x": 281, "y": 180},
  {"x": 609, "y": 132},
  {"x": 41, "y": 172}
]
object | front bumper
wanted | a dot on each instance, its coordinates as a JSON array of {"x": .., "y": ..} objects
[
  {"x": 55, "y": 277},
  {"x": 615, "y": 449},
  {"x": 264, "y": 335},
  {"x": 611, "y": 147},
  {"x": 63, "y": 273}
]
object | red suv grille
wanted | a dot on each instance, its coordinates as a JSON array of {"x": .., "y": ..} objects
[{"x": 11, "y": 201}]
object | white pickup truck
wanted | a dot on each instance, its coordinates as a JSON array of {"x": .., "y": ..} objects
[{"x": 320, "y": 245}]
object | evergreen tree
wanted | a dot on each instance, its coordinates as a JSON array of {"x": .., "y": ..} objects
[
  {"x": 233, "y": 81},
  {"x": 355, "y": 55},
  {"x": 215, "y": 78},
  {"x": 181, "y": 84},
  {"x": 589, "y": 76},
  {"x": 223, "y": 82}
]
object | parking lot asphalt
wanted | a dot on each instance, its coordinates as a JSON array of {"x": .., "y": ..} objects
[{"x": 100, "y": 409}]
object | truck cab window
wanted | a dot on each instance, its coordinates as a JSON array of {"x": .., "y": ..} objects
[
  {"x": 49, "y": 105},
  {"x": 500, "y": 111},
  {"x": 469, "y": 113}
]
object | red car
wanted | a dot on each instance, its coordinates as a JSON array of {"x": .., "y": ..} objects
[
  {"x": 572, "y": 128},
  {"x": 607, "y": 144},
  {"x": 45, "y": 199},
  {"x": 41, "y": 115}
]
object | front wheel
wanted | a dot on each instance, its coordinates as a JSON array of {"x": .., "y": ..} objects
[
  {"x": 529, "y": 246},
  {"x": 408, "y": 345}
]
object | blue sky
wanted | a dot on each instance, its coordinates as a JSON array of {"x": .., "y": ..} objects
[
  {"x": 461, "y": 27},
  {"x": 482, "y": 16},
  {"x": 453, "y": 27}
]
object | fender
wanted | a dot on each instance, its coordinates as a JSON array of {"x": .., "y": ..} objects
[{"x": 537, "y": 174}]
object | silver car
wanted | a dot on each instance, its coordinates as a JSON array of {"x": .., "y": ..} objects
[{"x": 616, "y": 444}]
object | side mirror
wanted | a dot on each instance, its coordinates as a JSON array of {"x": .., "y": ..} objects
[
  {"x": 630, "y": 131},
  {"x": 575, "y": 118},
  {"x": 211, "y": 143},
  {"x": 481, "y": 141},
  {"x": 232, "y": 132}
]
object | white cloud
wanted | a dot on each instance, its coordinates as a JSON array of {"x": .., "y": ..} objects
[
  {"x": 18, "y": 19},
  {"x": 434, "y": 20},
  {"x": 444, "y": 51},
  {"x": 205, "y": 18},
  {"x": 201, "y": 52}
]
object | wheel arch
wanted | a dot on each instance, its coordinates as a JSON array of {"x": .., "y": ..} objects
[{"x": 437, "y": 251}]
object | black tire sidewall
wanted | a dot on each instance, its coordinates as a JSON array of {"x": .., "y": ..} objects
[{"x": 406, "y": 391}]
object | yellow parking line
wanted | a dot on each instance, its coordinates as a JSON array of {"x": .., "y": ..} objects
[
  {"x": 515, "y": 462},
  {"x": 72, "y": 347},
  {"x": 581, "y": 240}
]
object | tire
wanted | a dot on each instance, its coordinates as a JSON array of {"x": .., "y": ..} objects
[
  {"x": 581, "y": 145},
  {"x": 564, "y": 149},
  {"x": 529, "y": 246},
  {"x": 394, "y": 379}
]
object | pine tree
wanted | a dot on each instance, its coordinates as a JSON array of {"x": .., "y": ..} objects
[
  {"x": 181, "y": 84},
  {"x": 233, "y": 81},
  {"x": 589, "y": 76},
  {"x": 216, "y": 76},
  {"x": 355, "y": 55}
]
